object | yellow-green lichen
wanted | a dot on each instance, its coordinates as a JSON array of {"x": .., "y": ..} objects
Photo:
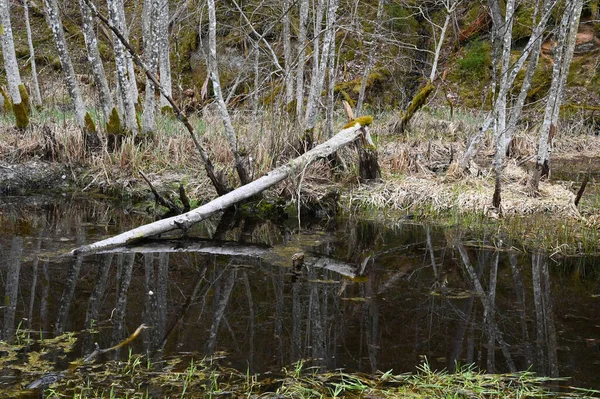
[
  {"x": 7, "y": 101},
  {"x": 363, "y": 121},
  {"x": 21, "y": 115},
  {"x": 90, "y": 126},
  {"x": 25, "y": 98},
  {"x": 114, "y": 123}
]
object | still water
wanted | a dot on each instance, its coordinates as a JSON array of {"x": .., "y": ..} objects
[{"x": 367, "y": 297}]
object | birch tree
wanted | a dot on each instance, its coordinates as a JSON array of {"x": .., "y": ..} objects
[
  {"x": 55, "y": 23},
  {"x": 151, "y": 44},
  {"x": 93, "y": 54},
  {"x": 287, "y": 53},
  {"x": 123, "y": 75},
  {"x": 240, "y": 159},
  {"x": 164, "y": 62},
  {"x": 320, "y": 62},
  {"x": 37, "y": 95},
  {"x": 302, "y": 43},
  {"x": 506, "y": 83},
  {"x": 563, "y": 55},
  {"x": 13, "y": 77}
]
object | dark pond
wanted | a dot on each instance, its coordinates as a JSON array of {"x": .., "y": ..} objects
[{"x": 369, "y": 296}]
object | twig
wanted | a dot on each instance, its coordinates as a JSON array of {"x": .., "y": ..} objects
[
  {"x": 160, "y": 199},
  {"x": 99, "y": 351},
  {"x": 218, "y": 181}
]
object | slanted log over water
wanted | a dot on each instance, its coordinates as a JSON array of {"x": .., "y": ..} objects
[{"x": 186, "y": 220}]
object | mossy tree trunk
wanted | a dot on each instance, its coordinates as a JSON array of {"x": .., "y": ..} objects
[
  {"x": 13, "y": 77},
  {"x": 93, "y": 54},
  {"x": 217, "y": 179},
  {"x": 37, "y": 95},
  {"x": 416, "y": 104},
  {"x": 55, "y": 23},
  {"x": 371, "y": 58},
  {"x": 124, "y": 78},
  {"x": 240, "y": 157},
  {"x": 563, "y": 55}
]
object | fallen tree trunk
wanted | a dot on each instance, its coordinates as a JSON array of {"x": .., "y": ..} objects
[{"x": 186, "y": 220}]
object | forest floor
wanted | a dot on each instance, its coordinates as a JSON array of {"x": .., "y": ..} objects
[{"x": 49, "y": 158}]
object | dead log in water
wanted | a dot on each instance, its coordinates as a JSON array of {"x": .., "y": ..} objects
[{"x": 186, "y": 220}]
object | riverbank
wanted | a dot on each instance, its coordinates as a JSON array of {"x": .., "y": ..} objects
[{"x": 50, "y": 157}]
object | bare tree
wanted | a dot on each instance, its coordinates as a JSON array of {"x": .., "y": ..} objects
[
  {"x": 151, "y": 44},
  {"x": 164, "y": 62},
  {"x": 124, "y": 78},
  {"x": 13, "y": 77},
  {"x": 241, "y": 162},
  {"x": 563, "y": 55},
  {"x": 302, "y": 43},
  {"x": 287, "y": 53},
  {"x": 55, "y": 23},
  {"x": 91, "y": 44},
  {"x": 37, "y": 96},
  {"x": 320, "y": 61}
]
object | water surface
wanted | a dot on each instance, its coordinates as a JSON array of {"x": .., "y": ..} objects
[{"x": 368, "y": 297}]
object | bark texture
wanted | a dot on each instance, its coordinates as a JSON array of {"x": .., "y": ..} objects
[
  {"x": 151, "y": 47},
  {"x": 13, "y": 77},
  {"x": 37, "y": 95},
  {"x": 91, "y": 45},
  {"x": 55, "y": 23}
]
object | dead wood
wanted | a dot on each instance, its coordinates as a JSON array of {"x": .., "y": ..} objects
[{"x": 184, "y": 221}]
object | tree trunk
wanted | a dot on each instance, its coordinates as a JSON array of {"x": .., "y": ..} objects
[
  {"x": 371, "y": 58},
  {"x": 55, "y": 23},
  {"x": 287, "y": 53},
  {"x": 563, "y": 55},
  {"x": 186, "y": 220},
  {"x": 302, "y": 43},
  {"x": 128, "y": 95},
  {"x": 240, "y": 159},
  {"x": 13, "y": 77},
  {"x": 510, "y": 75},
  {"x": 37, "y": 96},
  {"x": 217, "y": 179},
  {"x": 151, "y": 49},
  {"x": 500, "y": 110},
  {"x": 91, "y": 44},
  {"x": 164, "y": 58}
]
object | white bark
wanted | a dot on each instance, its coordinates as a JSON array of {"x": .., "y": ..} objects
[
  {"x": 55, "y": 23},
  {"x": 214, "y": 77},
  {"x": 318, "y": 78},
  {"x": 197, "y": 215},
  {"x": 126, "y": 90},
  {"x": 302, "y": 43},
  {"x": 511, "y": 75},
  {"x": 438, "y": 49},
  {"x": 37, "y": 95},
  {"x": 151, "y": 44},
  {"x": 371, "y": 58},
  {"x": 91, "y": 44},
  {"x": 164, "y": 61},
  {"x": 287, "y": 53},
  {"x": 13, "y": 77},
  {"x": 120, "y": 9},
  {"x": 563, "y": 55}
]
